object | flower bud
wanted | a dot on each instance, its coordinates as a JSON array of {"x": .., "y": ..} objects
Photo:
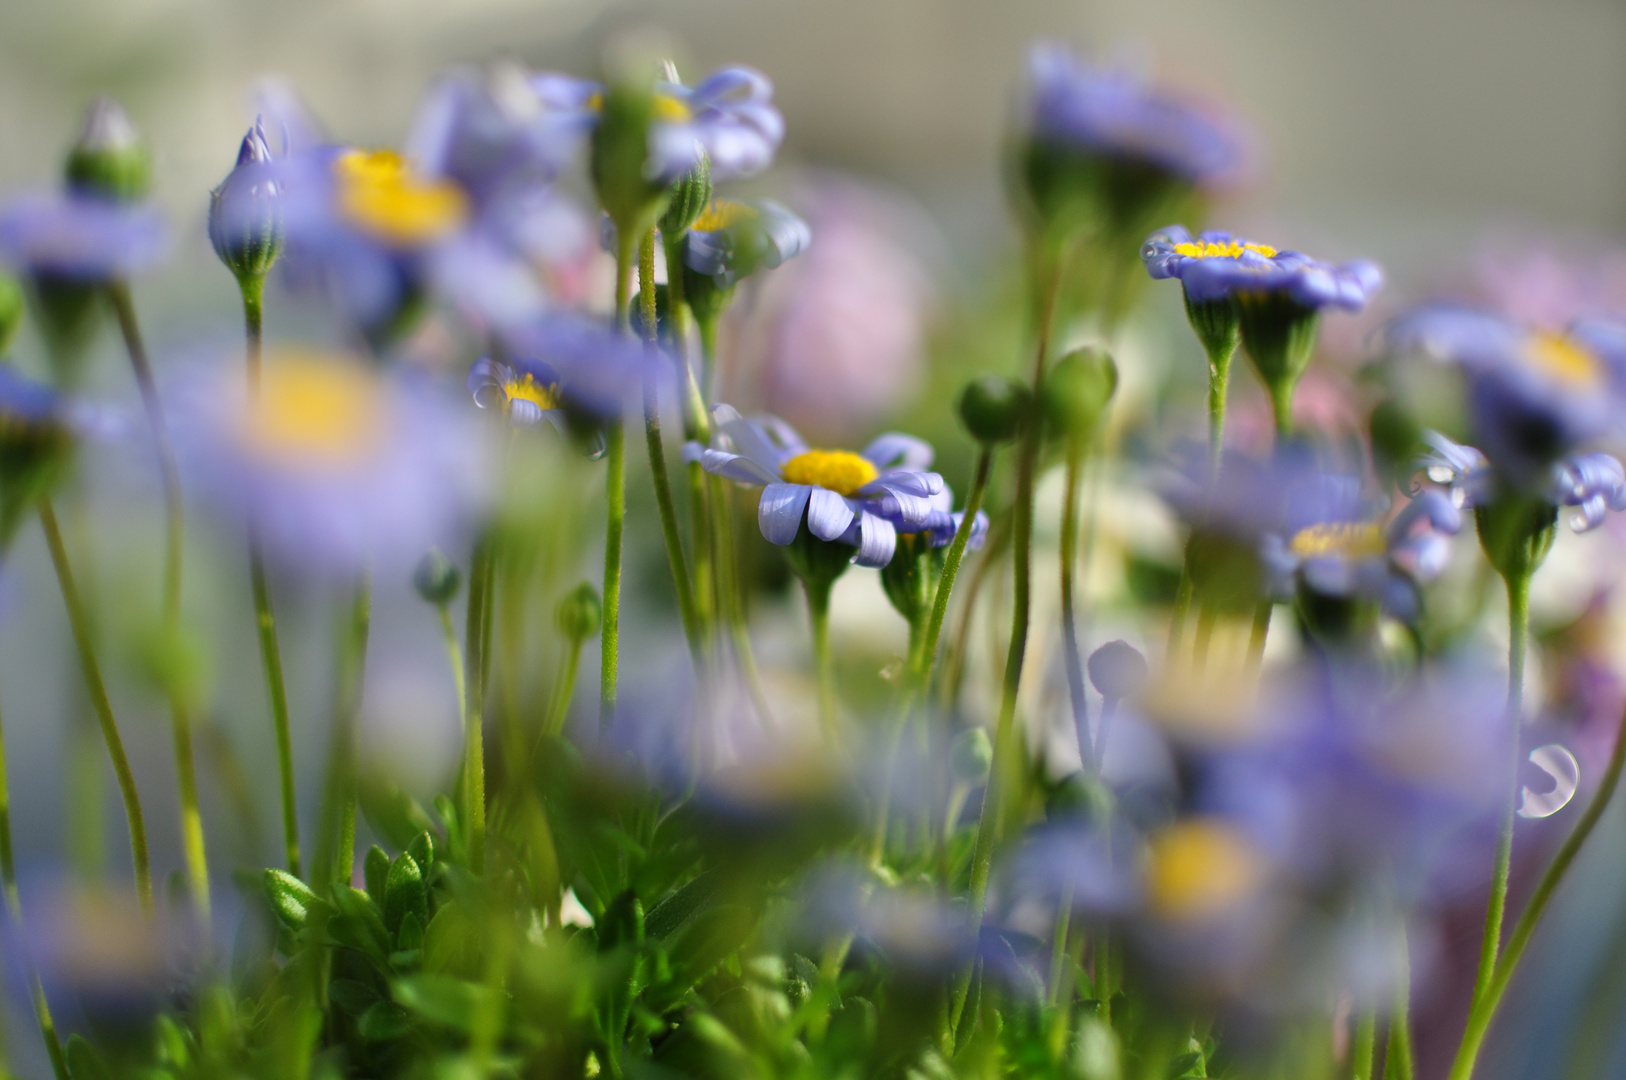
[
  {"x": 109, "y": 159},
  {"x": 245, "y": 223},
  {"x": 971, "y": 755},
  {"x": 1077, "y": 391},
  {"x": 437, "y": 578},
  {"x": 993, "y": 407},
  {"x": 579, "y": 613},
  {"x": 619, "y": 159},
  {"x": 1218, "y": 327},
  {"x": 1117, "y": 670},
  {"x": 11, "y": 311},
  {"x": 690, "y": 197}
]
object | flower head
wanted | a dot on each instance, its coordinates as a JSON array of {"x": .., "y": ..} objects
[
  {"x": 729, "y": 119},
  {"x": 81, "y": 238},
  {"x": 846, "y": 497},
  {"x": 245, "y": 223},
  {"x": 1216, "y": 265},
  {"x": 339, "y": 466},
  {"x": 1534, "y": 397},
  {"x": 730, "y": 240},
  {"x": 527, "y": 393},
  {"x": 1592, "y": 483}
]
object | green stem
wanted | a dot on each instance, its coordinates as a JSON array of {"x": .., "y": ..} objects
[
  {"x": 707, "y": 329},
  {"x": 481, "y": 567},
  {"x": 615, "y": 496},
  {"x": 1397, "y": 1058},
  {"x": 564, "y": 689},
  {"x": 1257, "y": 635},
  {"x": 80, "y": 625},
  {"x": 818, "y": 607},
  {"x": 951, "y": 564},
  {"x": 1069, "y": 624},
  {"x": 664, "y": 502},
  {"x": 1484, "y": 1010},
  {"x": 1281, "y": 407},
  {"x": 186, "y": 781},
  {"x": 1047, "y": 281},
  {"x": 336, "y": 851},
  {"x": 1364, "y": 1051},
  {"x": 731, "y": 598},
  {"x": 253, "y": 290},
  {"x": 696, "y": 428},
  {"x": 454, "y": 658},
  {"x": 1219, "y": 377}
]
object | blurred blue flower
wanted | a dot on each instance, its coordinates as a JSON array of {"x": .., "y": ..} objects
[
  {"x": 339, "y": 467},
  {"x": 1114, "y": 114},
  {"x": 1216, "y": 265},
  {"x": 844, "y": 496},
  {"x": 37, "y": 430},
  {"x": 732, "y": 239},
  {"x": 599, "y": 369},
  {"x": 940, "y": 523},
  {"x": 245, "y": 219},
  {"x": 527, "y": 393},
  {"x": 729, "y": 118},
  {"x": 83, "y": 238},
  {"x": 1592, "y": 483},
  {"x": 1534, "y": 397}
]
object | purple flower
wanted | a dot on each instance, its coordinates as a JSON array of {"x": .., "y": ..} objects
[
  {"x": 245, "y": 220},
  {"x": 940, "y": 523},
  {"x": 853, "y": 498},
  {"x": 339, "y": 466},
  {"x": 527, "y": 393},
  {"x": 1592, "y": 483},
  {"x": 84, "y": 238},
  {"x": 598, "y": 369},
  {"x": 36, "y": 437},
  {"x": 1534, "y": 397},
  {"x": 1217, "y": 265},
  {"x": 729, "y": 118},
  {"x": 732, "y": 239},
  {"x": 1113, "y": 114}
]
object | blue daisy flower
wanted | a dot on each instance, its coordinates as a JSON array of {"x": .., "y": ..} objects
[
  {"x": 731, "y": 239},
  {"x": 82, "y": 238},
  {"x": 1216, "y": 265},
  {"x": 729, "y": 119},
  {"x": 852, "y": 498},
  {"x": 1592, "y": 483}
]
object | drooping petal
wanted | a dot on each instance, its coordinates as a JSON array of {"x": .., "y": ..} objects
[
  {"x": 828, "y": 514},
  {"x": 877, "y": 539},
  {"x": 747, "y": 438},
  {"x": 735, "y": 467},
  {"x": 895, "y": 450},
  {"x": 779, "y": 514}
]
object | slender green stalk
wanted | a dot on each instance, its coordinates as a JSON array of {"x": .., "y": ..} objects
[
  {"x": 696, "y": 427},
  {"x": 14, "y": 910},
  {"x": 481, "y": 574},
  {"x": 1219, "y": 377},
  {"x": 1205, "y": 635},
  {"x": 1518, "y": 617},
  {"x": 615, "y": 496},
  {"x": 1484, "y": 1009},
  {"x": 1397, "y": 1058},
  {"x": 818, "y": 607},
  {"x": 707, "y": 329},
  {"x": 731, "y": 598},
  {"x": 1281, "y": 407},
  {"x": 951, "y": 563},
  {"x": 664, "y": 502},
  {"x": 336, "y": 851},
  {"x": 1364, "y": 1051},
  {"x": 454, "y": 658},
  {"x": 564, "y": 689},
  {"x": 80, "y": 625},
  {"x": 1069, "y": 622},
  {"x": 1047, "y": 282},
  {"x": 1182, "y": 606},
  {"x": 186, "y": 782}
]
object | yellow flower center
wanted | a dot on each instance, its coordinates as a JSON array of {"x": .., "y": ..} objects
[
  {"x": 1198, "y": 869},
  {"x": 526, "y": 388},
  {"x": 723, "y": 214},
  {"x": 380, "y": 194},
  {"x": 1564, "y": 360},
  {"x": 1352, "y": 539},
  {"x": 840, "y": 471},
  {"x": 1232, "y": 250},
  {"x": 665, "y": 108},
  {"x": 314, "y": 410}
]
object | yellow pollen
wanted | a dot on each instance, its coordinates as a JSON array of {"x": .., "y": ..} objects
[
  {"x": 840, "y": 471},
  {"x": 1198, "y": 869},
  {"x": 378, "y": 191},
  {"x": 723, "y": 214},
  {"x": 1231, "y": 250},
  {"x": 672, "y": 110},
  {"x": 1564, "y": 360},
  {"x": 314, "y": 410},
  {"x": 527, "y": 388},
  {"x": 1353, "y": 539}
]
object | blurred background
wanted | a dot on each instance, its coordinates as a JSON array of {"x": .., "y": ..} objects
[{"x": 1436, "y": 137}]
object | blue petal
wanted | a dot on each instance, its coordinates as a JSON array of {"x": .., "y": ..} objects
[
  {"x": 828, "y": 514},
  {"x": 779, "y": 514},
  {"x": 736, "y": 467},
  {"x": 877, "y": 539},
  {"x": 898, "y": 451}
]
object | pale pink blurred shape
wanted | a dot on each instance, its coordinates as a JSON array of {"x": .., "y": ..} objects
[
  {"x": 1535, "y": 284},
  {"x": 837, "y": 342}
]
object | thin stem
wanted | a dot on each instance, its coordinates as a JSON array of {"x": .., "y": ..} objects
[
  {"x": 186, "y": 781},
  {"x": 1047, "y": 282},
  {"x": 454, "y": 659},
  {"x": 615, "y": 496},
  {"x": 1257, "y": 635},
  {"x": 1484, "y": 1010},
  {"x": 696, "y": 428},
  {"x": 336, "y": 851},
  {"x": 731, "y": 598},
  {"x": 1397, "y": 1058},
  {"x": 564, "y": 689},
  {"x": 80, "y": 625},
  {"x": 1069, "y": 624},
  {"x": 818, "y": 607},
  {"x": 951, "y": 563},
  {"x": 1281, "y": 406},
  {"x": 1219, "y": 377},
  {"x": 664, "y": 502},
  {"x": 1364, "y": 1051},
  {"x": 1518, "y": 616},
  {"x": 707, "y": 330},
  {"x": 481, "y": 567}
]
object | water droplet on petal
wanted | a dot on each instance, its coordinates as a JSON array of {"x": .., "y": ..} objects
[
  {"x": 1559, "y": 764},
  {"x": 1440, "y": 474}
]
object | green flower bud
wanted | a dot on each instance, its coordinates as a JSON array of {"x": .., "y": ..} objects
[
  {"x": 109, "y": 159},
  {"x": 910, "y": 579},
  {"x": 992, "y": 408},
  {"x": 620, "y": 150},
  {"x": 690, "y": 197},
  {"x": 1218, "y": 326},
  {"x": 1516, "y": 532},
  {"x": 11, "y": 311},
  {"x": 705, "y": 297},
  {"x": 971, "y": 755},
  {"x": 437, "y": 578},
  {"x": 579, "y": 613},
  {"x": 1078, "y": 390}
]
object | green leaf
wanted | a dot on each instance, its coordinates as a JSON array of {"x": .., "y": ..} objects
[
  {"x": 375, "y": 869},
  {"x": 353, "y": 997},
  {"x": 393, "y": 814},
  {"x": 411, "y": 933},
  {"x": 422, "y": 850},
  {"x": 358, "y": 923},
  {"x": 675, "y": 908},
  {"x": 383, "y": 1021},
  {"x": 404, "y": 892},
  {"x": 85, "y": 1062},
  {"x": 622, "y": 922},
  {"x": 290, "y": 898},
  {"x": 442, "y": 999}
]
